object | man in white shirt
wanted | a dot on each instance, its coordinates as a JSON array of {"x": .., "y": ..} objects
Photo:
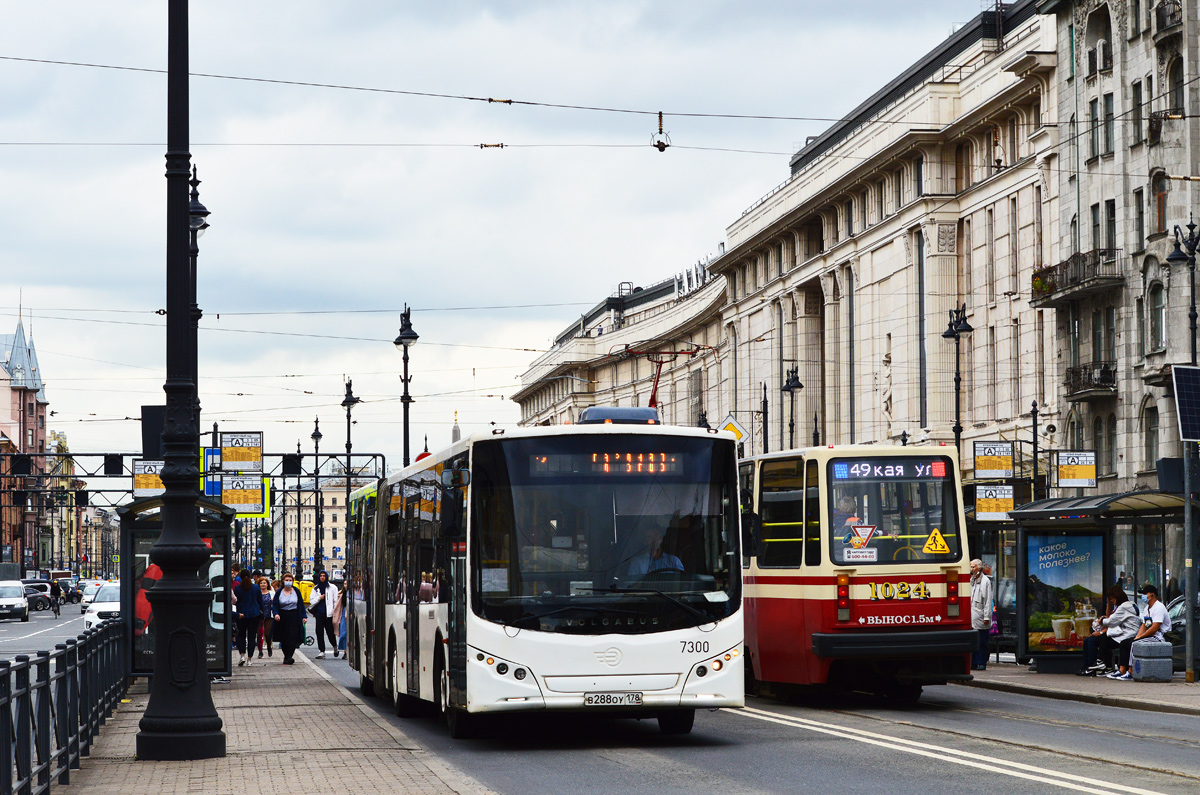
[{"x": 1155, "y": 619}]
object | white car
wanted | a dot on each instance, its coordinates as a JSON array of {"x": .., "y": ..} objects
[
  {"x": 105, "y": 604},
  {"x": 13, "y": 603},
  {"x": 89, "y": 593}
]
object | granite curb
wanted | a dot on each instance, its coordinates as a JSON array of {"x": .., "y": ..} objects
[{"x": 1060, "y": 694}]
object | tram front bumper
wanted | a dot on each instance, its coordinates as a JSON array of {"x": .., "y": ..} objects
[{"x": 862, "y": 645}]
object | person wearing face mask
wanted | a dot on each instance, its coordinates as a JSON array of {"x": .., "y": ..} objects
[
  {"x": 322, "y": 599},
  {"x": 288, "y": 613}
]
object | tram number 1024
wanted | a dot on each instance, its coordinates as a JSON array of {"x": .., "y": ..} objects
[{"x": 899, "y": 590}]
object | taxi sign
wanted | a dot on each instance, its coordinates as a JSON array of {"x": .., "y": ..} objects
[{"x": 733, "y": 426}]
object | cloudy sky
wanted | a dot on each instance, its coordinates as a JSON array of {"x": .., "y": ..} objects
[{"x": 333, "y": 206}]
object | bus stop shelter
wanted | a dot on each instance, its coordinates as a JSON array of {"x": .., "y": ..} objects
[
  {"x": 1071, "y": 549},
  {"x": 141, "y": 524}
]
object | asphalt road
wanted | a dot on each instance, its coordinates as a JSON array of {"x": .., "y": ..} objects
[
  {"x": 958, "y": 739},
  {"x": 40, "y": 633}
]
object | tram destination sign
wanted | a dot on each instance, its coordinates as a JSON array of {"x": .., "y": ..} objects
[
  {"x": 993, "y": 459},
  {"x": 242, "y": 451}
]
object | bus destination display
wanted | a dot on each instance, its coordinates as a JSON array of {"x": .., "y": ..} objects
[
  {"x": 611, "y": 463},
  {"x": 889, "y": 469}
]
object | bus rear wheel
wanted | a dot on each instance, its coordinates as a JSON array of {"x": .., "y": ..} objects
[
  {"x": 902, "y": 692},
  {"x": 677, "y": 721}
]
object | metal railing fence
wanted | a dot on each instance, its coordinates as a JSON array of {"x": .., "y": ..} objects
[{"x": 53, "y": 704}]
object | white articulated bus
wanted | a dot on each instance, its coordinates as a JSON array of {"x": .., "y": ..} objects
[{"x": 578, "y": 567}]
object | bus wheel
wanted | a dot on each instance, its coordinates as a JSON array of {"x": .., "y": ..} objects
[
  {"x": 902, "y": 693},
  {"x": 365, "y": 685},
  {"x": 677, "y": 721},
  {"x": 459, "y": 722},
  {"x": 389, "y": 674}
]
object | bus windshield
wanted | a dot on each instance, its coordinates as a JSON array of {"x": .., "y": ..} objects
[
  {"x": 592, "y": 534},
  {"x": 893, "y": 510}
]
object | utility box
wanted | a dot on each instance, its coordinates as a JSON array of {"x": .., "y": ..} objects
[{"x": 1150, "y": 661}]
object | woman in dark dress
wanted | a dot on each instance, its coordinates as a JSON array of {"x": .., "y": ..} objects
[{"x": 290, "y": 616}]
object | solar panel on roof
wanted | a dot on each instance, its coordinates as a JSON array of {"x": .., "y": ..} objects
[{"x": 1187, "y": 401}]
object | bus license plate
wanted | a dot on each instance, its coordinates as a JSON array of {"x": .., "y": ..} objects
[{"x": 612, "y": 699}]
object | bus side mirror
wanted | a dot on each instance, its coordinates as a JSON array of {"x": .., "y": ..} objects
[
  {"x": 456, "y": 478},
  {"x": 749, "y": 538}
]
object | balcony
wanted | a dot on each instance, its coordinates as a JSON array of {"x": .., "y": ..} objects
[
  {"x": 1154, "y": 127},
  {"x": 1079, "y": 275},
  {"x": 1094, "y": 381},
  {"x": 1168, "y": 18}
]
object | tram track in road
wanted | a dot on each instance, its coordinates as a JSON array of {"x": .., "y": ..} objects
[{"x": 1019, "y": 770}]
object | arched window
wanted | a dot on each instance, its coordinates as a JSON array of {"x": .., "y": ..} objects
[
  {"x": 1161, "y": 186},
  {"x": 962, "y": 166},
  {"x": 1158, "y": 318},
  {"x": 1150, "y": 436},
  {"x": 1175, "y": 85},
  {"x": 1110, "y": 445}
]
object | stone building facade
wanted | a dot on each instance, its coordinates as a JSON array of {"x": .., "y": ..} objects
[{"x": 1128, "y": 107}]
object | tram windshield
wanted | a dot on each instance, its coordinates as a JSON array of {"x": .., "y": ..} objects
[
  {"x": 893, "y": 510},
  {"x": 593, "y": 534}
]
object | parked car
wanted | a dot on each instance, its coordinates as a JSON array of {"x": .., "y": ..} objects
[
  {"x": 13, "y": 603},
  {"x": 42, "y": 587},
  {"x": 35, "y": 598},
  {"x": 1178, "y": 634},
  {"x": 70, "y": 591},
  {"x": 105, "y": 605}
]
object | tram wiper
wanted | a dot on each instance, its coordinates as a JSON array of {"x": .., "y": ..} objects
[{"x": 693, "y": 612}]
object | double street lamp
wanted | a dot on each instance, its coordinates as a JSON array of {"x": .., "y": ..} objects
[
  {"x": 1177, "y": 257},
  {"x": 318, "y": 553},
  {"x": 957, "y": 327},
  {"x": 348, "y": 402},
  {"x": 791, "y": 386},
  {"x": 405, "y": 340}
]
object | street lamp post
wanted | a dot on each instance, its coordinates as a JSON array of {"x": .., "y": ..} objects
[
  {"x": 318, "y": 551},
  {"x": 1177, "y": 257},
  {"x": 348, "y": 402},
  {"x": 405, "y": 340},
  {"x": 180, "y": 721},
  {"x": 766, "y": 440},
  {"x": 299, "y": 513},
  {"x": 791, "y": 385},
  {"x": 957, "y": 326}
]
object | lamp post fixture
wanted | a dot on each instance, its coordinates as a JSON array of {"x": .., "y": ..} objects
[
  {"x": 197, "y": 224},
  {"x": 318, "y": 551},
  {"x": 348, "y": 402},
  {"x": 1177, "y": 257},
  {"x": 791, "y": 385},
  {"x": 957, "y": 326},
  {"x": 180, "y": 721},
  {"x": 816, "y": 430},
  {"x": 405, "y": 340}
]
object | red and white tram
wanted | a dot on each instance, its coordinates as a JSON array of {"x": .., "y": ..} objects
[{"x": 860, "y": 577}]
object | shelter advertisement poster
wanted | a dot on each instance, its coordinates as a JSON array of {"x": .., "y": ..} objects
[
  {"x": 1063, "y": 594},
  {"x": 145, "y": 574}
]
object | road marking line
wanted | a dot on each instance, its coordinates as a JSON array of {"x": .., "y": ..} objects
[
  {"x": 968, "y": 759},
  {"x": 40, "y": 631}
]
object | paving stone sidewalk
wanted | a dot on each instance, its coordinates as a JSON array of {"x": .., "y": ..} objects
[
  {"x": 1175, "y": 696},
  {"x": 288, "y": 729}
]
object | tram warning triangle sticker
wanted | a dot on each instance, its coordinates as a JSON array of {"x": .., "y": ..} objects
[{"x": 935, "y": 544}]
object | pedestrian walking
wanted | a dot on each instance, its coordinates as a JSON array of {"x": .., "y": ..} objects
[
  {"x": 339, "y": 620},
  {"x": 289, "y": 616},
  {"x": 248, "y": 604},
  {"x": 981, "y": 612},
  {"x": 322, "y": 598},
  {"x": 264, "y": 629}
]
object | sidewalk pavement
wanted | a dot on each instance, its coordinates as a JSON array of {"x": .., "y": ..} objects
[
  {"x": 1175, "y": 696},
  {"x": 288, "y": 729}
]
